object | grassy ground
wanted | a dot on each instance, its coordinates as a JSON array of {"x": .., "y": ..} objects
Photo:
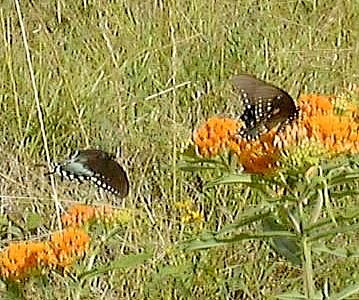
[{"x": 135, "y": 78}]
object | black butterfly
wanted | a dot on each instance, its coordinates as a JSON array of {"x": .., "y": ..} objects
[
  {"x": 265, "y": 106},
  {"x": 96, "y": 166}
]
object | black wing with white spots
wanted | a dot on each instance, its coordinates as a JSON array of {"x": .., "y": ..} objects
[
  {"x": 96, "y": 166},
  {"x": 264, "y": 106}
]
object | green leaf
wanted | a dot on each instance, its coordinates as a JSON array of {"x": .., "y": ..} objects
[
  {"x": 213, "y": 241},
  {"x": 247, "y": 180},
  {"x": 16, "y": 231},
  {"x": 33, "y": 221},
  {"x": 291, "y": 296},
  {"x": 200, "y": 160},
  {"x": 202, "y": 164},
  {"x": 286, "y": 246},
  {"x": 203, "y": 244},
  {"x": 14, "y": 290},
  {"x": 129, "y": 261},
  {"x": 231, "y": 179},
  {"x": 344, "y": 193},
  {"x": 174, "y": 270},
  {"x": 4, "y": 221},
  {"x": 315, "y": 236},
  {"x": 250, "y": 216},
  {"x": 297, "y": 296},
  {"x": 190, "y": 152},
  {"x": 340, "y": 252},
  {"x": 343, "y": 178}
]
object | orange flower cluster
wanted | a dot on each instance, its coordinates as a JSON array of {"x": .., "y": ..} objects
[
  {"x": 215, "y": 135},
  {"x": 338, "y": 133},
  {"x": 258, "y": 157},
  {"x": 60, "y": 250},
  {"x": 80, "y": 214},
  {"x": 218, "y": 134},
  {"x": 68, "y": 244},
  {"x": 315, "y": 104},
  {"x": 319, "y": 124}
]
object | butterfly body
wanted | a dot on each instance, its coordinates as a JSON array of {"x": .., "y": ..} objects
[
  {"x": 265, "y": 106},
  {"x": 96, "y": 166}
]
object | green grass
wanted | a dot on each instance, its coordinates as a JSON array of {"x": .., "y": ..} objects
[{"x": 100, "y": 69}]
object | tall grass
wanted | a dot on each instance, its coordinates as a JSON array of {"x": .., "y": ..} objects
[{"x": 135, "y": 78}]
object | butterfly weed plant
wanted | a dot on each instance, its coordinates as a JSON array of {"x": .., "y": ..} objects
[
  {"x": 296, "y": 182},
  {"x": 75, "y": 252}
]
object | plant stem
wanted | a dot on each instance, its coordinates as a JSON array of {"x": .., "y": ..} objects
[{"x": 309, "y": 288}]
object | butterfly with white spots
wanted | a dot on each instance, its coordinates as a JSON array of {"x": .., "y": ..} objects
[
  {"x": 96, "y": 166},
  {"x": 264, "y": 106}
]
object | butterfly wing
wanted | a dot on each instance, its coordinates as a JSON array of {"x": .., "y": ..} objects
[
  {"x": 265, "y": 106},
  {"x": 108, "y": 174},
  {"x": 73, "y": 168},
  {"x": 97, "y": 166},
  {"x": 252, "y": 88}
]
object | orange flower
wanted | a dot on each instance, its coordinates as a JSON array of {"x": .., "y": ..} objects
[
  {"x": 77, "y": 215},
  {"x": 18, "y": 259},
  {"x": 15, "y": 261},
  {"x": 259, "y": 156},
  {"x": 81, "y": 214},
  {"x": 217, "y": 134},
  {"x": 69, "y": 243},
  {"x": 338, "y": 133},
  {"x": 315, "y": 104},
  {"x": 45, "y": 254},
  {"x": 214, "y": 135}
]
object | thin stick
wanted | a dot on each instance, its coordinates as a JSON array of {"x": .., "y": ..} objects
[
  {"x": 38, "y": 108},
  {"x": 173, "y": 88},
  {"x": 174, "y": 106}
]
